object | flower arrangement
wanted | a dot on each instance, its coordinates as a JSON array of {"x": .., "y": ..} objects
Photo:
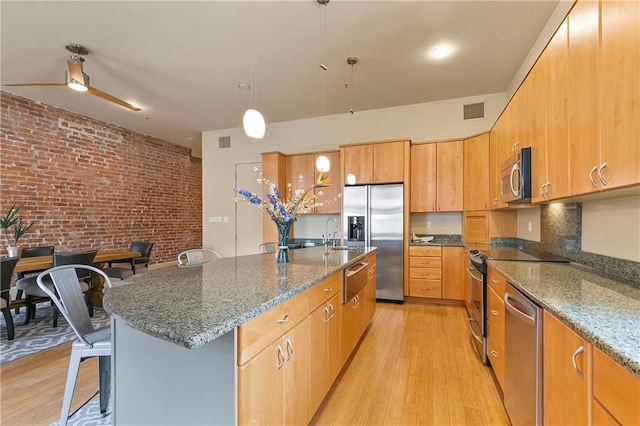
[{"x": 284, "y": 209}]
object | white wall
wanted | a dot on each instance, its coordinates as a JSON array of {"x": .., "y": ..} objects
[
  {"x": 441, "y": 223},
  {"x": 421, "y": 122},
  {"x": 529, "y": 218},
  {"x": 612, "y": 227}
]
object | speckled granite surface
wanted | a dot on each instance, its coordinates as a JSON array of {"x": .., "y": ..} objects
[
  {"x": 454, "y": 240},
  {"x": 192, "y": 306},
  {"x": 604, "y": 311}
]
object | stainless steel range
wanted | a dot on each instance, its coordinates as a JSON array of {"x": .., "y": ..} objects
[
  {"x": 476, "y": 304},
  {"x": 477, "y": 281}
]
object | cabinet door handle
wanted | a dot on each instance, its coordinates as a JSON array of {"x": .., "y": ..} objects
[
  {"x": 593, "y": 182},
  {"x": 494, "y": 312},
  {"x": 547, "y": 193},
  {"x": 289, "y": 350},
  {"x": 573, "y": 361},
  {"x": 542, "y": 190},
  {"x": 602, "y": 167},
  {"x": 328, "y": 289},
  {"x": 514, "y": 147},
  {"x": 283, "y": 320},
  {"x": 493, "y": 280},
  {"x": 280, "y": 357},
  {"x": 356, "y": 301},
  {"x": 495, "y": 354},
  {"x": 332, "y": 309},
  {"x": 327, "y": 315}
]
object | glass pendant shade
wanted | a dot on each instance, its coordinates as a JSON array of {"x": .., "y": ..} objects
[
  {"x": 253, "y": 124},
  {"x": 323, "y": 164}
]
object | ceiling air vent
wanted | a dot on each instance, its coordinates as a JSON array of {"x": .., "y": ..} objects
[
  {"x": 473, "y": 111},
  {"x": 224, "y": 142}
]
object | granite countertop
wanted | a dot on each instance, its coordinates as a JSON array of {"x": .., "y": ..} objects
[
  {"x": 603, "y": 310},
  {"x": 193, "y": 306}
]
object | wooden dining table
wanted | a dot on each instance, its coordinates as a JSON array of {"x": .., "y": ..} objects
[{"x": 40, "y": 263}]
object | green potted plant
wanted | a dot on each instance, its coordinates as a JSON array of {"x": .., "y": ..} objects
[{"x": 11, "y": 219}]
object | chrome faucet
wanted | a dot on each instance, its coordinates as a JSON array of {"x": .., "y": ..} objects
[{"x": 326, "y": 236}]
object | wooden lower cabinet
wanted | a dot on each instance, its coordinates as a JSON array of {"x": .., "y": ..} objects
[
  {"x": 495, "y": 323},
  {"x": 566, "y": 369},
  {"x": 274, "y": 386},
  {"x": 453, "y": 273},
  {"x": 437, "y": 272},
  {"x": 616, "y": 392},
  {"x": 425, "y": 271},
  {"x": 325, "y": 327}
]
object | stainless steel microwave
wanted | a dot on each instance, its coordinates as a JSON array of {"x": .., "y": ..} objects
[{"x": 515, "y": 177}]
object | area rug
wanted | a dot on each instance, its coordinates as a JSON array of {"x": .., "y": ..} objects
[
  {"x": 89, "y": 415},
  {"x": 39, "y": 334}
]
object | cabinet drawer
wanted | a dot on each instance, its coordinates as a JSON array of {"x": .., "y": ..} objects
[
  {"x": 429, "y": 251},
  {"x": 495, "y": 353},
  {"x": 496, "y": 281},
  {"x": 426, "y": 273},
  {"x": 425, "y": 262},
  {"x": 425, "y": 288},
  {"x": 324, "y": 290},
  {"x": 616, "y": 389},
  {"x": 495, "y": 314},
  {"x": 259, "y": 332}
]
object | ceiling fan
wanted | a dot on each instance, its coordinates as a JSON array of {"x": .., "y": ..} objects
[{"x": 76, "y": 79}]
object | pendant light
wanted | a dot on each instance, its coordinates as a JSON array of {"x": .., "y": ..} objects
[{"x": 253, "y": 121}]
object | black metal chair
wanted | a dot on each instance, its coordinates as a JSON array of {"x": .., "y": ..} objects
[
  {"x": 7, "y": 265},
  {"x": 31, "y": 290},
  {"x": 31, "y": 252},
  {"x": 144, "y": 248}
]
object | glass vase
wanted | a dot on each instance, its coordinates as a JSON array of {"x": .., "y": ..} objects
[{"x": 283, "y": 241}]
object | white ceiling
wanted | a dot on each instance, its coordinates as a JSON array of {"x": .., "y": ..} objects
[{"x": 182, "y": 61}]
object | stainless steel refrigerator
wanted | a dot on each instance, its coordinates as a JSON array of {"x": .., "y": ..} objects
[{"x": 373, "y": 216}]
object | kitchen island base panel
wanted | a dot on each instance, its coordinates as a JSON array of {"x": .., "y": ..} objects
[{"x": 160, "y": 383}]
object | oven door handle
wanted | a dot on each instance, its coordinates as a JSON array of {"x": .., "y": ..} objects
[
  {"x": 472, "y": 275},
  {"x": 475, "y": 336}
]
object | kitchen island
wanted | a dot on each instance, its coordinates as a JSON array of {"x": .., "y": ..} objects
[{"x": 176, "y": 332}]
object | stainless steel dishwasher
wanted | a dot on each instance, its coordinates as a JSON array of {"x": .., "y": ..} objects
[{"x": 522, "y": 359}]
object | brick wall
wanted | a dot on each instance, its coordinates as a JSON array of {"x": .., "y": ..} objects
[{"x": 90, "y": 184}]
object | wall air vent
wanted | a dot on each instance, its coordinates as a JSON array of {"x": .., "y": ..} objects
[
  {"x": 224, "y": 142},
  {"x": 473, "y": 111}
]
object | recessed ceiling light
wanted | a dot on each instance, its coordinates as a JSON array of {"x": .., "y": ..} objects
[
  {"x": 244, "y": 86},
  {"x": 441, "y": 51},
  {"x": 189, "y": 138}
]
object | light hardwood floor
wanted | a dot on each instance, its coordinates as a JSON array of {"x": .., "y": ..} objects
[
  {"x": 31, "y": 388},
  {"x": 415, "y": 365}
]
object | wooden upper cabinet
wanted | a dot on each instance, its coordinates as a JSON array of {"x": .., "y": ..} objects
[
  {"x": 423, "y": 177},
  {"x": 300, "y": 171},
  {"x": 437, "y": 177},
  {"x": 499, "y": 150},
  {"x": 583, "y": 95},
  {"x": 604, "y": 95},
  {"x": 273, "y": 169},
  {"x": 620, "y": 93},
  {"x": 331, "y": 203},
  {"x": 449, "y": 176},
  {"x": 358, "y": 161},
  {"x": 555, "y": 72},
  {"x": 476, "y": 173},
  {"x": 388, "y": 162},
  {"x": 381, "y": 162}
]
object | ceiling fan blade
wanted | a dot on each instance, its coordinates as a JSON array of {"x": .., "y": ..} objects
[
  {"x": 75, "y": 71},
  {"x": 113, "y": 99},
  {"x": 34, "y": 84}
]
